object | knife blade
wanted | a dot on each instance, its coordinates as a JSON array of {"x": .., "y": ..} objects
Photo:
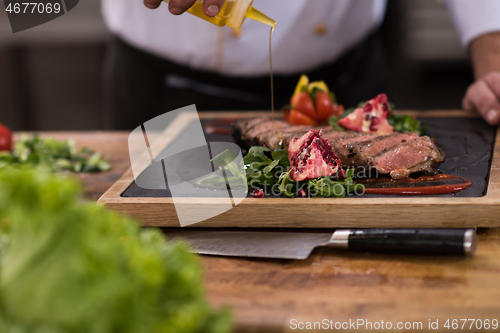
[{"x": 299, "y": 244}]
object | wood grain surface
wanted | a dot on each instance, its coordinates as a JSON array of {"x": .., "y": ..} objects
[
  {"x": 339, "y": 286},
  {"x": 388, "y": 212}
]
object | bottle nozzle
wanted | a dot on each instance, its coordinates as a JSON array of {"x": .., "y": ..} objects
[{"x": 257, "y": 15}]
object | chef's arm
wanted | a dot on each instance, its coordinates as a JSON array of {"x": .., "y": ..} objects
[
  {"x": 177, "y": 7},
  {"x": 478, "y": 26},
  {"x": 484, "y": 94}
]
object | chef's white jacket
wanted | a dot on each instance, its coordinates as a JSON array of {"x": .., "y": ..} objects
[{"x": 309, "y": 33}]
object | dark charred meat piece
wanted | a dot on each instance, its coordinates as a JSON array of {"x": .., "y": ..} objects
[
  {"x": 261, "y": 128},
  {"x": 311, "y": 157},
  {"x": 343, "y": 152},
  {"x": 360, "y": 153},
  {"x": 333, "y": 136},
  {"x": 285, "y": 138},
  {"x": 274, "y": 139},
  {"x": 241, "y": 126},
  {"x": 418, "y": 155}
]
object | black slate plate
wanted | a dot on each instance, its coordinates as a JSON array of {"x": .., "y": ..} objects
[{"x": 467, "y": 143}]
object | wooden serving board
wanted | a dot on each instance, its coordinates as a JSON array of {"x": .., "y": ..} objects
[{"x": 365, "y": 212}]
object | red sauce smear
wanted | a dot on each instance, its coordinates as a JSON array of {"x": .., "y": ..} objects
[
  {"x": 219, "y": 126},
  {"x": 423, "y": 185}
]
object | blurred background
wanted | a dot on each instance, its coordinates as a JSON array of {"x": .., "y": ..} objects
[{"x": 51, "y": 76}]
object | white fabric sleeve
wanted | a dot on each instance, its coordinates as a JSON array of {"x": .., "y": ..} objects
[{"x": 473, "y": 18}]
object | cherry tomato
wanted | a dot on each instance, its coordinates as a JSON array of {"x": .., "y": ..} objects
[
  {"x": 286, "y": 115},
  {"x": 297, "y": 118},
  {"x": 324, "y": 106},
  {"x": 5, "y": 138},
  {"x": 338, "y": 109},
  {"x": 304, "y": 104}
]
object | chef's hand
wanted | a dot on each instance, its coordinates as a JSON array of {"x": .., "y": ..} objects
[
  {"x": 177, "y": 7},
  {"x": 483, "y": 95}
]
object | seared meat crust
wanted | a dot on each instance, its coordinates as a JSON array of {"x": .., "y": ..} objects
[{"x": 398, "y": 154}]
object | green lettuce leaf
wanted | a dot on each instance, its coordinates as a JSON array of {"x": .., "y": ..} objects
[{"x": 68, "y": 266}]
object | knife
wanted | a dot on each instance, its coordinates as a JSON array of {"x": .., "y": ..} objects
[{"x": 299, "y": 244}]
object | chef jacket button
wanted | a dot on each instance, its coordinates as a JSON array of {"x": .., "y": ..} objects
[
  {"x": 236, "y": 33},
  {"x": 320, "y": 29}
]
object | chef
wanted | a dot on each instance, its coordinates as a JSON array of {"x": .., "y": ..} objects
[{"x": 159, "y": 62}]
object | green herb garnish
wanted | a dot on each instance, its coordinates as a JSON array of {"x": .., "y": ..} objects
[
  {"x": 406, "y": 123},
  {"x": 262, "y": 170},
  {"x": 55, "y": 154},
  {"x": 233, "y": 175}
]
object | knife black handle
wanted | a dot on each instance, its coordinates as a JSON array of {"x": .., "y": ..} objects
[{"x": 458, "y": 242}]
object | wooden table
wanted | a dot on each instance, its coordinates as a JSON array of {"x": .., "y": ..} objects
[{"x": 339, "y": 286}]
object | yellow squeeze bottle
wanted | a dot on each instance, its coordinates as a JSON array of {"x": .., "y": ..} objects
[{"x": 232, "y": 14}]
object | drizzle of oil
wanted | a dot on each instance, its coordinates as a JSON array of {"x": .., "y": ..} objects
[
  {"x": 219, "y": 53},
  {"x": 256, "y": 15},
  {"x": 272, "y": 78}
]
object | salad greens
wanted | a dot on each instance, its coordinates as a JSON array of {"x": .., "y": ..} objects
[
  {"x": 68, "y": 266},
  {"x": 273, "y": 172},
  {"x": 57, "y": 155},
  {"x": 321, "y": 187},
  {"x": 262, "y": 170},
  {"x": 225, "y": 161},
  {"x": 406, "y": 123}
]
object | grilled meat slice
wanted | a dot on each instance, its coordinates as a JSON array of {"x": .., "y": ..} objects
[
  {"x": 339, "y": 145},
  {"x": 248, "y": 133},
  {"x": 333, "y": 136},
  {"x": 285, "y": 138},
  {"x": 273, "y": 139},
  {"x": 242, "y": 126},
  {"x": 261, "y": 128},
  {"x": 418, "y": 155},
  {"x": 360, "y": 153}
]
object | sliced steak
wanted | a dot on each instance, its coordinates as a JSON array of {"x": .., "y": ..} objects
[
  {"x": 418, "y": 155},
  {"x": 273, "y": 139},
  {"x": 241, "y": 126},
  {"x": 249, "y": 136},
  {"x": 339, "y": 145},
  {"x": 361, "y": 153},
  {"x": 398, "y": 154},
  {"x": 264, "y": 127},
  {"x": 333, "y": 136},
  {"x": 285, "y": 138}
]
